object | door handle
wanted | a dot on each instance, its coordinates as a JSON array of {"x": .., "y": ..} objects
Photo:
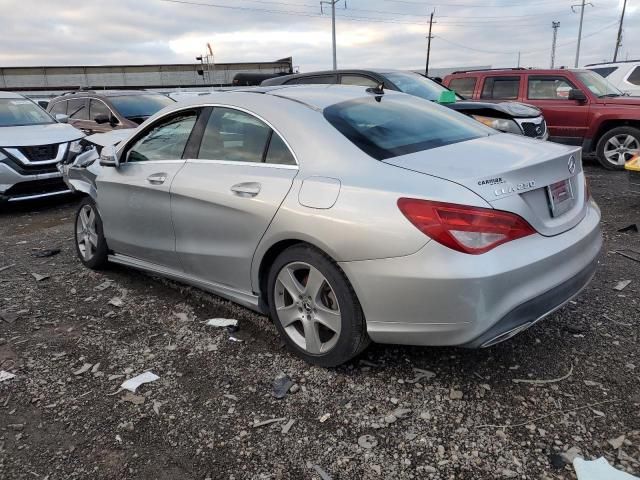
[
  {"x": 247, "y": 189},
  {"x": 157, "y": 178}
]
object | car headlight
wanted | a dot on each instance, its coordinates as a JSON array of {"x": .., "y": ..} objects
[{"x": 502, "y": 124}]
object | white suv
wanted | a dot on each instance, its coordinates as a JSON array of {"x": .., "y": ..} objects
[
  {"x": 32, "y": 142},
  {"x": 624, "y": 75}
]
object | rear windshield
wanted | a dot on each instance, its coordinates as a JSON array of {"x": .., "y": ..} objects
[
  {"x": 393, "y": 125},
  {"x": 132, "y": 106},
  {"x": 20, "y": 111}
]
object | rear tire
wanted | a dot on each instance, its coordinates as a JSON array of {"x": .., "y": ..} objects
[
  {"x": 314, "y": 307},
  {"x": 618, "y": 146},
  {"x": 91, "y": 245}
]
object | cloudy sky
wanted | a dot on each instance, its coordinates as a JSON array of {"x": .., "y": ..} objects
[{"x": 374, "y": 33}]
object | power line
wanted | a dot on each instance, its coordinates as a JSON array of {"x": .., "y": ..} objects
[{"x": 476, "y": 5}]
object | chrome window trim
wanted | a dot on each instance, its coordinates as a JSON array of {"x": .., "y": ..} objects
[
  {"x": 16, "y": 153},
  {"x": 249, "y": 164},
  {"x": 152, "y": 162}
]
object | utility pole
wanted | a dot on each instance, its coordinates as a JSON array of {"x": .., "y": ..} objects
[
  {"x": 426, "y": 69},
  {"x": 333, "y": 26},
  {"x": 619, "y": 39},
  {"x": 555, "y": 26},
  {"x": 518, "y": 59},
  {"x": 584, "y": 3}
]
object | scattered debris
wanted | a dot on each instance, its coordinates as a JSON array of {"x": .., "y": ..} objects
[
  {"x": 84, "y": 368},
  {"x": 420, "y": 374},
  {"x": 230, "y": 397},
  {"x": 599, "y": 470},
  {"x": 622, "y": 285},
  {"x": 103, "y": 286},
  {"x": 46, "y": 253},
  {"x": 617, "y": 442},
  {"x": 281, "y": 385},
  {"x": 8, "y": 317},
  {"x": 133, "y": 398},
  {"x": 557, "y": 461},
  {"x": 367, "y": 363},
  {"x": 633, "y": 255},
  {"x": 544, "y": 382},
  {"x": 39, "y": 277},
  {"x": 7, "y": 267},
  {"x": 222, "y": 322},
  {"x": 575, "y": 329},
  {"x": 116, "y": 302},
  {"x": 324, "y": 417},
  {"x": 367, "y": 441},
  {"x": 570, "y": 455},
  {"x": 287, "y": 426},
  {"x": 268, "y": 422},
  {"x": 133, "y": 383},
  {"x": 456, "y": 394},
  {"x": 156, "y": 406},
  {"x": 6, "y": 376},
  {"x": 323, "y": 475},
  {"x": 629, "y": 228}
]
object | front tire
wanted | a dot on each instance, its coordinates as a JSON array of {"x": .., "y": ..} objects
[
  {"x": 315, "y": 308},
  {"x": 618, "y": 146},
  {"x": 91, "y": 245}
]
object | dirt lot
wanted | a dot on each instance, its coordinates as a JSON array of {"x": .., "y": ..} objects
[{"x": 468, "y": 418}]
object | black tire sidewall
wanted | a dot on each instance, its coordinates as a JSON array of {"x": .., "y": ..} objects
[
  {"x": 635, "y": 132},
  {"x": 353, "y": 337},
  {"x": 99, "y": 260}
]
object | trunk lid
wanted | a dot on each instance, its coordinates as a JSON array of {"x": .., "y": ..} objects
[{"x": 543, "y": 182}]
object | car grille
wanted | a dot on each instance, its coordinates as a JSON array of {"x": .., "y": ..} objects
[
  {"x": 36, "y": 187},
  {"x": 33, "y": 169},
  {"x": 40, "y": 153},
  {"x": 534, "y": 129}
]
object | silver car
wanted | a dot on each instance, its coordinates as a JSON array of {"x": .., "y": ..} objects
[{"x": 348, "y": 214}]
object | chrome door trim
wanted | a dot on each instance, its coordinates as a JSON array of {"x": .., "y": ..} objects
[
  {"x": 249, "y": 164},
  {"x": 245, "y": 299}
]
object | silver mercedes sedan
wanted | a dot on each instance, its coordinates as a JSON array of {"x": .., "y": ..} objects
[{"x": 348, "y": 215}]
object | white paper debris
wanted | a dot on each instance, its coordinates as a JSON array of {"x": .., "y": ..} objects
[
  {"x": 133, "y": 383},
  {"x": 83, "y": 368},
  {"x": 599, "y": 470},
  {"x": 6, "y": 376},
  {"x": 116, "y": 302},
  {"x": 622, "y": 285},
  {"x": 222, "y": 322}
]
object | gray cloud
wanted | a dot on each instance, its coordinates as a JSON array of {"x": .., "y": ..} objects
[{"x": 46, "y": 32}]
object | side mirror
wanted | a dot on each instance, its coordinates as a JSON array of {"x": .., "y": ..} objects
[
  {"x": 109, "y": 157},
  {"x": 62, "y": 118},
  {"x": 101, "y": 118},
  {"x": 577, "y": 95}
]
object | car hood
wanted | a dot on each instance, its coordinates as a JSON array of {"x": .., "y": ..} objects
[
  {"x": 112, "y": 137},
  {"x": 502, "y": 109},
  {"x": 627, "y": 101},
  {"x": 29, "y": 135}
]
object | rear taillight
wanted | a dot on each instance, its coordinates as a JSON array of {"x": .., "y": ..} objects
[{"x": 466, "y": 229}]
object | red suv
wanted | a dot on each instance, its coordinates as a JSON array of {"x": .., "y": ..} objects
[{"x": 580, "y": 107}]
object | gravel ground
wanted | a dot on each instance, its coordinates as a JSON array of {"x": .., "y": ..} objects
[{"x": 396, "y": 412}]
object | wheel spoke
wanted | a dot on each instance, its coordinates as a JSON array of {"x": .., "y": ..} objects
[
  {"x": 288, "y": 315},
  {"x": 93, "y": 239},
  {"x": 289, "y": 282},
  {"x": 628, "y": 141},
  {"x": 621, "y": 158},
  {"x": 329, "y": 318},
  {"x": 91, "y": 220},
  {"x": 315, "y": 280},
  {"x": 84, "y": 219},
  {"x": 87, "y": 250},
  {"x": 614, "y": 141},
  {"x": 311, "y": 337}
]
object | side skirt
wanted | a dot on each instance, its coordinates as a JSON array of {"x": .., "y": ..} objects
[{"x": 245, "y": 299}]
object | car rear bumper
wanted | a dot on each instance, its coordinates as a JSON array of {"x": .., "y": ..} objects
[
  {"x": 15, "y": 187},
  {"x": 441, "y": 297}
]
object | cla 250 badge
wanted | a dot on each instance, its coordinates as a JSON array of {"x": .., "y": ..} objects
[{"x": 520, "y": 187}]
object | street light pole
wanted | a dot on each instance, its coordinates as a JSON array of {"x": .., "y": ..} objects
[
  {"x": 426, "y": 70},
  {"x": 584, "y": 3},
  {"x": 555, "y": 26},
  {"x": 619, "y": 39},
  {"x": 333, "y": 27}
]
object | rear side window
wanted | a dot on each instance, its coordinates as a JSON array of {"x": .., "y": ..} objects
[
  {"x": 96, "y": 107},
  {"x": 501, "y": 88},
  {"x": 59, "y": 107},
  {"x": 549, "y": 88},
  {"x": 358, "y": 80},
  {"x": 385, "y": 127},
  {"x": 234, "y": 135},
  {"x": 463, "y": 86},
  {"x": 635, "y": 76},
  {"x": 604, "y": 71},
  {"x": 278, "y": 152},
  {"x": 77, "y": 109},
  {"x": 317, "y": 79}
]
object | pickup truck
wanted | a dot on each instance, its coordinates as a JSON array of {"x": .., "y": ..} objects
[{"x": 579, "y": 106}]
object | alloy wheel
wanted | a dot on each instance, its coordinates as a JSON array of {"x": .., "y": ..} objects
[
  {"x": 86, "y": 233},
  {"x": 619, "y": 149},
  {"x": 307, "y": 308}
]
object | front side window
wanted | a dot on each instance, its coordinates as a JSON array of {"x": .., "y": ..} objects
[
  {"x": 234, "y": 135},
  {"x": 416, "y": 85},
  {"x": 358, "y": 80},
  {"x": 166, "y": 140},
  {"x": 463, "y": 86},
  {"x": 20, "y": 111},
  {"x": 635, "y": 76},
  {"x": 59, "y": 108},
  {"x": 77, "y": 109},
  {"x": 96, "y": 107},
  {"x": 501, "y": 88},
  {"x": 385, "y": 127},
  {"x": 549, "y": 88}
]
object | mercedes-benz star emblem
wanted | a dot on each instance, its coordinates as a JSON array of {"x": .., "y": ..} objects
[{"x": 572, "y": 164}]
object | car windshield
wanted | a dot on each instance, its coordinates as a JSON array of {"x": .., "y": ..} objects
[
  {"x": 131, "y": 106},
  {"x": 598, "y": 85},
  {"x": 16, "y": 112},
  {"x": 391, "y": 125},
  {"x": 417, "y": 85}
]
